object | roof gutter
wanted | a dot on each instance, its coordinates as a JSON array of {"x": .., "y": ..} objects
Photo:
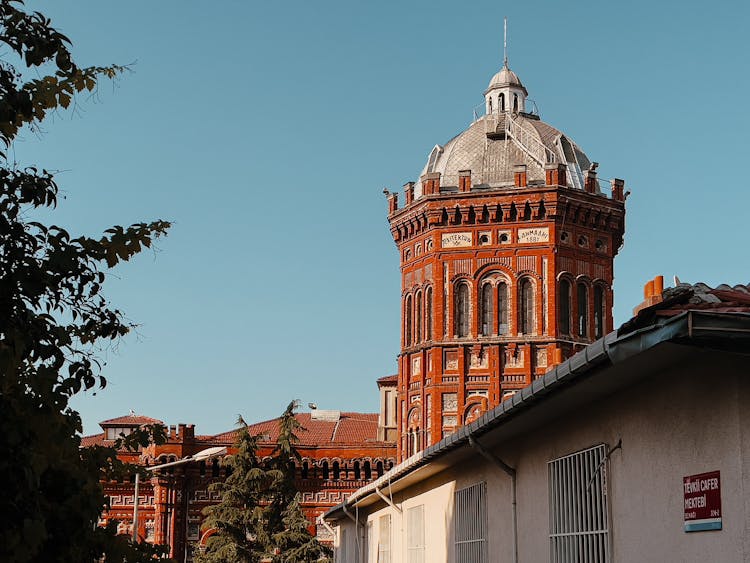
[{"x": 609, "y": 350}]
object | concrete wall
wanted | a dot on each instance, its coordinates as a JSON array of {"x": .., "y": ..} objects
[{"x": 690, "y": 419}]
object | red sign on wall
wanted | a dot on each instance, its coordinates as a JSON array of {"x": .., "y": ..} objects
[{"x": 702, "y": 495}]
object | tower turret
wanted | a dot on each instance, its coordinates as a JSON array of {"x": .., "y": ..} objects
[{"x": 506, "y": 246}]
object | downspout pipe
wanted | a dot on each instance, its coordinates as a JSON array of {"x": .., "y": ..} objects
[
  {"x": 512, "y": 474},
  {"x": 356, "y": 532}
]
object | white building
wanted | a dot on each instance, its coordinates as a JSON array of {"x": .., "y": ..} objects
[{"x": 635, "y": 449}]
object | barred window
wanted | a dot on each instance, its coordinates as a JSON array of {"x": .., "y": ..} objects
[
  {"x": 471, "y": 524},
  {"x": 415, "y": 547},
  {"x": 578, "y": 520}
]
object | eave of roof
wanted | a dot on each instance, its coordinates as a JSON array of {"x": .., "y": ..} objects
[{"x": 731, "y": 329}]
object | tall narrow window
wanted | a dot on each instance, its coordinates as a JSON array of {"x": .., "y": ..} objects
[
  {"x": 428, "y": 314},
  {"x": 486, "y": 309},
  {"x": 501, "y": 102},
  {"x": 490, "y": 105},
  {"x": 462, "y": 310},
  {"x": 409, "y": 317},
  {"x": 502, "y": 308},
  {"x": 515, "y": 102},
  {"x": 336, "y": 471},
  {"x": 325, "y": 470},
  {"x": 526, "y": 306},
  {"x": 563, "y": 309},
  {"x": 415, "y": 534},
  {"x": 470, "y": 515},
  {"x": 598, "y": 311},
  {"x": 583, "y": 310},
  {"x": 384, "y": 539},
  {"x": 419, "y": 317}
]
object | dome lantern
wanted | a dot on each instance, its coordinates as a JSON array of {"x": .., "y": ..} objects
[{"x": 505, "y": 93}]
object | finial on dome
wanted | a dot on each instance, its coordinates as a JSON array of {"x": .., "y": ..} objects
[{"x": 505, "y": 41}]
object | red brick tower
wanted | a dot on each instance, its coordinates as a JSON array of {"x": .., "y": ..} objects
[{"x": 507, "y": 245}]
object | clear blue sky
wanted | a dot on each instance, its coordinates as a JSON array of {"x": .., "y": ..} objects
[{"x": 267, "y": 130}]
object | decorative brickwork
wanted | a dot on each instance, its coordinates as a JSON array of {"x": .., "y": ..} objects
[{"x": 521, "y": 262}]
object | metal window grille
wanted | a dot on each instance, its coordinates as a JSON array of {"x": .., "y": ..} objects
[
  {"x": 579, "y": 522},
  {"x": 384, "y": 539},
  {"x": 415, "y": 534},
  {"x": 471, "y": 524}
]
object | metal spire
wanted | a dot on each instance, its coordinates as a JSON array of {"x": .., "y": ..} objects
[{"x": 505, "y": 41}]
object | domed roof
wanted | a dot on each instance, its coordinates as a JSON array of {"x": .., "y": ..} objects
[
  {"x": 505, "y": 77},
  {"x": 491, "y": 147}
]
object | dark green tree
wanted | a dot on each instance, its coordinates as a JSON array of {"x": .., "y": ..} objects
[
  {"x": 53, "y": 320},
  {"x": 259, "y": 517},
  {"x": 237, "y": 518}
]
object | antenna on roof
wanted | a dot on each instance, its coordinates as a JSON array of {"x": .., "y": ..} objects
[{"x": 505, "y": 41}]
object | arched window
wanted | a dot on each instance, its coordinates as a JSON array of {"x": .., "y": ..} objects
[
  {"x": 486, "y": 300},
  {"x": 325, "y": 470},
  {"x": 598, "y": 311},
  {"x": 202, "y": 468},
  {"x": 408, "y": 315},
  {"x": 305, "y": 469},
  {"x": 515, "y": 102},
  {"x": 428, "y": 314},
  {"x": 380, "y": 468},
  {"x": 462, "y": 310},
  {"x": 368, "y": 471},
  {"x": 583, "y": 309},
  {"x": 502, "y": 308},
  {"x": 336, "y": 471},
  {"x": 490, "y": 105},
  {"x": 526, "y": 306},
  {"x": 501, "y": 102},
  {"x": 563, "y": 307},
  {"x": 419, "y": 317},
  {"x": 215, "y": 468},
  {"x": 357, "y": 472}
]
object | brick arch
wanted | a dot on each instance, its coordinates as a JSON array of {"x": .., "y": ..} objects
[{"x": 487, "y": 269}]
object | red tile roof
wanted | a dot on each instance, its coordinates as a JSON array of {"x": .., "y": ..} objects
[
  {"x": 692, "y": 297},
  {"x": 130, "y": 420},
  {"x": 388, "y": 379},
  {"x": 351, "y": 428},
  {"x": 93, "y": 440}
]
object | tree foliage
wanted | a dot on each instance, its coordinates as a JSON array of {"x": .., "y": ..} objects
[
  {"x": 53, "y": 319},
  {"x": 259, "y": 517}
]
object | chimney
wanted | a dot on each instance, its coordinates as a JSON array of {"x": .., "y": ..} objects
[
  {"x": 464, "y": 180},
  {"x": 519, "y": 176},
  {"x": 430, "y": 183},
  {"x": 652, "y": 294},
  {"x": 618, "y": 189},
  {"x": 392, "y": 201},
  {"x": 409, "y": 191},
  {"x": 555, "y": 174},
  {"x": 589, "y": 183}
]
